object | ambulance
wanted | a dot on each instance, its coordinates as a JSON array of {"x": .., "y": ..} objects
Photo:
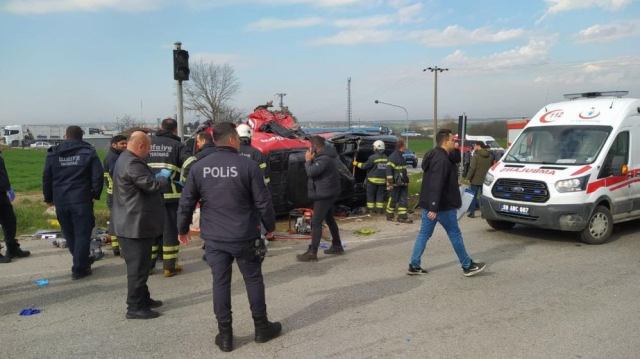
[{"x": 575, "y": 167}]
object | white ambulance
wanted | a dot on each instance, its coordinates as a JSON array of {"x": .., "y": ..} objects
[{"x": 575, "y": 167}]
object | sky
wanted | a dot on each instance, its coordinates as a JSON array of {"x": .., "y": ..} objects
[{"x": 91, "y": 61}]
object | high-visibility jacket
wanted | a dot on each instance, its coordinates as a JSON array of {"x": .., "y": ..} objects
[
  {"x": 108, "y": 164},
  {"x": 376, "y": 167},
  {"x": 202, "y": 153},
  {"x": 397, "y": 167},
  {"x": 167, "y": 152}
]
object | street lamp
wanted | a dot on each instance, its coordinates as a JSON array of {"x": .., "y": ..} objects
[{"x": 406, "y": 131}]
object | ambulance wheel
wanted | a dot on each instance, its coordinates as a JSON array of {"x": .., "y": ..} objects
[
  {"x": 500, "y": 225},
  {"x": 599, "y": 227}
]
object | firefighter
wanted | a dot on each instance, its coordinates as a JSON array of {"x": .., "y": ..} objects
[
  {"x": 118, "y": 144},
  {"x": 246, "y": 133},
  {"x": 205, "y": 148},
  {"x": 398, "y": 181},
  {"x": 168, "y": 153},
  {"x": 376, "y": 167}
]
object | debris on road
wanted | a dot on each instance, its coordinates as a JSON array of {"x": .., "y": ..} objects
[
  {"x": 364, "y": 232},
  {"x": 30, "y": 311},
  {"x": 42, "y": 282}
]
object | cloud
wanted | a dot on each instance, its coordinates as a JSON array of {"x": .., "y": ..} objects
[
  {"x": 535, "y": 52},
  {"x": 455, "y": 35},
  {"x": 58, "y": 6},
  {"x": 409, "y": 13},
  {"x": 365, "y": 22},
  {"x": 353, "y": 37},
  {"x": 620, "y": 71},
  {"x": 558, "y": 6},
  {"x": 608, "y": 32},
  {"x": 267, "y": 24}
]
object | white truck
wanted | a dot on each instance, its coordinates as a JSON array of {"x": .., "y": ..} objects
[
  {"x": 23, "y": 135},
  {"x": 575, "y": 167}
]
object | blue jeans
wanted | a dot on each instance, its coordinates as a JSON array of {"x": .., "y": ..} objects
[
  {"x": 474, "y": 204},
  {"x": 449, "y": 221}
]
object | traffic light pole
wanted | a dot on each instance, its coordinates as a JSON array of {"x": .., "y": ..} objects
[{"x": 180, "y": 114}]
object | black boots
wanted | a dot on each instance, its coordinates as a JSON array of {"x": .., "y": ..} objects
[
  {"x": 265, "y": 330},
  {"x": 5, "y": 259},
  {"x": 17, "y": 253},
  {"x": 224, "y": 339}
]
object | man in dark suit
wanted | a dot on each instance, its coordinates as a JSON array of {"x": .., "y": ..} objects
[{"x": 137, "y": 220}]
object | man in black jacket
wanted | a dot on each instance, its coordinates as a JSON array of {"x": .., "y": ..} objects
[
  {"x": 137, "y": 219},
  {"x": 234, "y": 201},
  {"x": 323, "y": 188},
  {"x": 118, "y": 144},
  {"x": 439, "y": 199},
  {"x": 398, "y": 182},
  {"x": 205, "y": 148},
  {"x": 168, "y": 153},
  {"x": 72, "y": 181},
  {"x": 8, "y": 217}
]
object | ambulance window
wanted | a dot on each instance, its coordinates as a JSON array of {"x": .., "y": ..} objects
[{"x": 617, "y": 156}]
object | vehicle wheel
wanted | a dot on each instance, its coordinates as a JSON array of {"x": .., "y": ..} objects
[
  {"x": 599, "y": 227},
  {"x": 500, "y": 225},
  {"x": 415, "y": 164}
]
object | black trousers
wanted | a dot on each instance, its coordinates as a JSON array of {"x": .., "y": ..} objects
[
  {"x": 220, "y": 257},
  {"x": 323, "y": 212},
  {"x": 398, "y": 198},
  {"x": 77, "y": 222},
  {"x": 9, "y": 222},
  {"x": 137, "y": 256},
  {"x": 170, "y": 243},
  {"x": 375, "y": 196}
]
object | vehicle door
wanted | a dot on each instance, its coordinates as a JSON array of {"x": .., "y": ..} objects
[
  {"x": 615, "y": 171},
  {"x": 634, "y": 168}
]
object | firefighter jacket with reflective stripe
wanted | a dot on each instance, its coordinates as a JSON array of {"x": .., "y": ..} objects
[
  {"x": 108, "y": 165},
  {"x": 397, "y": 169},
  {"x": 254, "y": 154},
  {"x": 167, "y": 152},
  {"x": 205, "y": 151},
  {"x": 233, "y": 197},
  {"x": 376, "y": 167}
]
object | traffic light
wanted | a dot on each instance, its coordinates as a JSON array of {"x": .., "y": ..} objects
[
  {"x": 181, "y": 65},
  {"x": 462, "y": 126}
]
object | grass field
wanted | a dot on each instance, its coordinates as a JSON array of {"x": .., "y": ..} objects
[
  {"x": 25, "y": 172},
  {"x": 420, "y": 147}
]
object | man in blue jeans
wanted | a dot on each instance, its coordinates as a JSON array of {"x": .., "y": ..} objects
[
  {"x": 439, "y": 200},
  {"x": 481, "y": 162}
]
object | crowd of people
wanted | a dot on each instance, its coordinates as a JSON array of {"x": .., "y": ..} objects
[{"x": 154, "y": 185}]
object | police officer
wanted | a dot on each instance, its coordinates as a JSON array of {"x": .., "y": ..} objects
[
  {"x": 398, "y": 181},
  {"x": 72, "y": 181},
  {"x": 234, "y": 201},
  {"x": 376, "y": 167},
  {"x": 8, "y": 217},
  {"x": 118, "y": 144},
  {"x": 205, "y": 148},
  {"x": 167, "y": 152},
  {"x": 246, "y": 133}
]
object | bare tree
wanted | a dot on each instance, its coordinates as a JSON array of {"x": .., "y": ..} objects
[
  {"x": 127, "y": 122},
  {"x": 210, "y": 90}
]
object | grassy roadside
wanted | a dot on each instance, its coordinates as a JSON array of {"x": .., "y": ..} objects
[{"x": 25, "y": 172}]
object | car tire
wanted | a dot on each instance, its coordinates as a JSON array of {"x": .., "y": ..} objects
[
  {"x": 599, "y": 227},
  {"x": 500, "y": 225}
]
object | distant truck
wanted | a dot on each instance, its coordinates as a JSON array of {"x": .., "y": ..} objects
[
  {"x": 24, "y": 135},
  {"x": 514, "y": 128}
]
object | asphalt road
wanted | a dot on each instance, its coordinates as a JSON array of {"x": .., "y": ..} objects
[{"x": 543, "y": 295}]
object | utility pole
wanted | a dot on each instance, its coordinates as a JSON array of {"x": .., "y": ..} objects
[
  {"x": 180, "y": 113},
  {"x": 281, "y": 95},
  {"x": 349, "y": 103},
  {"x": 435, "y": 70}
]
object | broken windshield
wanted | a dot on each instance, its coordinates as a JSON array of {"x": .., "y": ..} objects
[{"x": 566, "y": 145}]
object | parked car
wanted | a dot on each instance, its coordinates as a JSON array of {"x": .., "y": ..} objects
[
  {"x": 411, "y": 158},
  {"x": 41, "y": 145}
]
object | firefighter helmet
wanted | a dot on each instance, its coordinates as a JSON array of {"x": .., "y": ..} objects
[
  {"x": 244, "y": 131},
  {"x": 378, "y": 145}
]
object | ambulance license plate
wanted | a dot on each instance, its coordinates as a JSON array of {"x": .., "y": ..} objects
[{"x": 508, "y": 208}]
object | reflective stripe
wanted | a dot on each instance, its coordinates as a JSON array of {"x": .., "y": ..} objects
[
  {"x": 379, "y": 205},
  {"x": 369, "y": 205},
  {"x": 169, "y": 256},
  {"x": 186, "y": 164},
  {"x": 172, "y": 195},
  {"x": 376, "y": 180},
  {"x": 397, "y": 167},
  {"x": 389, "y": 209},
  {"x": 360, "y": 165},
  {"x": 164, "y": 166},
  {"x": 263, "y": 165},
  {"x": 171, "y": 248},
  {"x": 109, "y": 183},
  {"x": 154, "y": 248},
  {"x": 267, "y": 181},
  {"x": 381, "y": 160}
]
